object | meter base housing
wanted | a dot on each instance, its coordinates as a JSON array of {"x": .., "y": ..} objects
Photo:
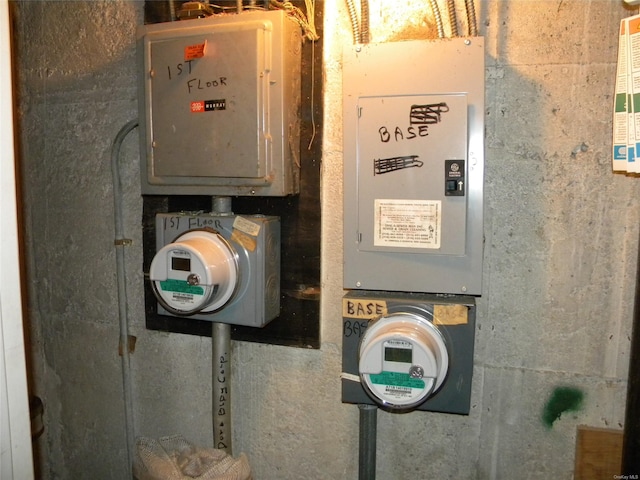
[
  {"x": 257, "y": 298},
  {"x": 458, "y": 330}
]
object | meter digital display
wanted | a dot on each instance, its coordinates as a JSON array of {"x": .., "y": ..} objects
[
  {"x": 392, "y": 354},
  {"x": 181, "y": 263}
]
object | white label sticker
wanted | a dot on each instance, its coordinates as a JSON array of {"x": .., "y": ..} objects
[
  {"x": 407, "y": 223},
  {"x": 246, "y": 226}
]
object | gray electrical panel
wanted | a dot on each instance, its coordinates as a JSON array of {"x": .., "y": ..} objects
[
  {"x": 413, "y": 166},
  {"x": 219, "y": 105}
]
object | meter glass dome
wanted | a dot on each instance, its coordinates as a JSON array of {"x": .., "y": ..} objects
[{"x": 403, "y": 360}]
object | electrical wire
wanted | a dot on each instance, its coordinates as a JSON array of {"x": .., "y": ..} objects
[
  {"x": 312, "y": 107},
  {"x": 307, "y": 21}
]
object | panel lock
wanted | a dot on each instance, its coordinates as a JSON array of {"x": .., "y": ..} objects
[{"x": 454, "y": 178}]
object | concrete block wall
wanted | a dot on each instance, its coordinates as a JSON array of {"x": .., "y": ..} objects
[{"x": 560, "y": 260}]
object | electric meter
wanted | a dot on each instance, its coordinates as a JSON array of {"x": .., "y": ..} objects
[
  {"x": 197, "y": 272},
  {"x": 217, "y": 267},
  {"x": 403, "y": 360}
]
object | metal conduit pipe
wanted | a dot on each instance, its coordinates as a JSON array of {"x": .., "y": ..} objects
[
  {"x": 221, "y": 366},
  {"x": 353, "y": 16},
  {"x": 471, "y": 18},
  {"x": 367, "y": 442},
  {"x": 364, "y": 21},
  {"x": 120, "y": 243},
  {"x": 438, "y": 17},
  {"x": 221, "y": 391},
  {"x": 453, "y": 20}
]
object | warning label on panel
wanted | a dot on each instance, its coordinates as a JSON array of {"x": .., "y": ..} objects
[
  {"x": 407, "y": 223},
  {"x": 191, "y": 52}
]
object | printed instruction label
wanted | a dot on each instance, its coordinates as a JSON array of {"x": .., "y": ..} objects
[{"x": 407, "y": 223}]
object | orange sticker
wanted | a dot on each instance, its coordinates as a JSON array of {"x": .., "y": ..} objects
[{"x": 191, "y": 52}]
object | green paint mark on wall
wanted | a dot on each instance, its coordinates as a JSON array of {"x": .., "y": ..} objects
[{"x": 563, "y": 399}]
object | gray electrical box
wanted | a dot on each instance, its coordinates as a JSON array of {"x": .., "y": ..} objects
[
  {"x": 217, "y": 267},
  {"x": 453, "y": 317},
  {"x": 413, "y": 166},
  {"x": 219, "y": 105}
]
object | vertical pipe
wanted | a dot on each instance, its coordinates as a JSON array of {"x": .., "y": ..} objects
[
  {"x": 453, "y": 19},
  {"x": 631, "y": 435},
  {"x": 438, "y": 17},
  {"x": 221, "y": 373},
  {"x": 222, "y": 205},
  {"x": 355, "y": 25},
  {"x": 364, "y": 21},
  {"x": 123, "y": 312},
  {"x": 367, "y": 439},
  {"x": 221, "y": 365},
  {"x": 471, "y": 18}
]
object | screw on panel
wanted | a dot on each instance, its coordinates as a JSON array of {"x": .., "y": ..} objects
[
  {"x": 463, "y": 289},
  {"x": 358, "y": 284},
  {"x": 467, "y": 42}
]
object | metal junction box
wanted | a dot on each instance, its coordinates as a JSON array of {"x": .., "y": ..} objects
[
  {"x": 219, "y": 105},
  {"x": 453, "y": 317},
  {"x": 413, "y": 166}
]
